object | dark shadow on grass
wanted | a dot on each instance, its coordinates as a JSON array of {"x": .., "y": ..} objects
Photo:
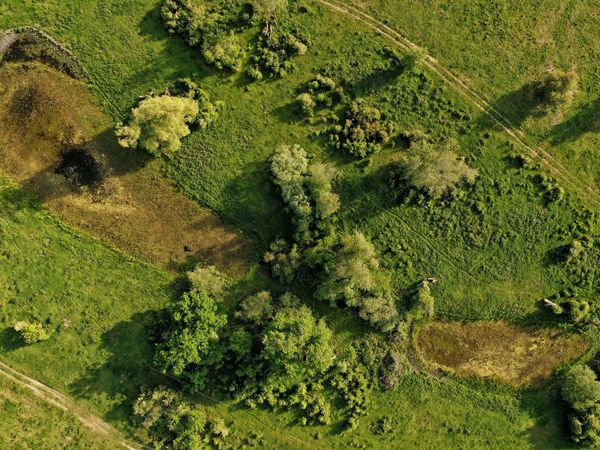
[
  {"x": 586, "y": 120},
  {"x": 10, "y": 340},
  {"x": 518, "y": 105},
  {"x": 128, "y": 368}
]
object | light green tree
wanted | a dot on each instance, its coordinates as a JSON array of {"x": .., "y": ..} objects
[{"x": 158, "y": 124}]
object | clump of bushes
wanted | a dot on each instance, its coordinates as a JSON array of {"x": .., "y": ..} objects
[
  {"x": 159, "y": 122},
  {"x": 224, "y": 52},
  {"x": 172, "y": 423},
  {"x": 581, "y": 391},
  {"x": 363, "y": 131},
  {"x": 423, "y": 304},
  {"x": 322, "y": 91},
  {"x": 432, "y": 169},
  {"x": 273, "y": 54},
  {"x": 31, "y": 332}
]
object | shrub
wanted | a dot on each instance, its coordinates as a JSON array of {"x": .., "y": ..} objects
[
  {"x": 273, "y": 53},
  {"x": 254, "y": 73},
  {"x": 269, "y": 10},
  {"x": 434, "y": 171},
  {"x": 319, "y": 185},
  {"x": 31, "y": 332},
  {"x": 158, "y": 124},
  {"x": 208, "y": 110},
  {"x": 306, "y": 104},
  {"x": 423, "y": 306},
  {"x": 556, "y": 88},
  {"x": 363, "y": 132},
  {"x": 578, "y": 310}
]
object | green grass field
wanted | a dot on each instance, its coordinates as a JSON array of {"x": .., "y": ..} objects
[{"x": 491, "y": 248}]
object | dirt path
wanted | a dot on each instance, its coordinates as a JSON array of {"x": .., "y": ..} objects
[
  {"x": 554, "y": 166},
  {"x": 65, "y": 403}
]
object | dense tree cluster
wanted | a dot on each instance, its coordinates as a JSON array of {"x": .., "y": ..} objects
[
  {"x": 581, "y": 391},
  {"x": 159, "y": 122},
  {"x": 434, "y": 169},
  {"x": 273, "y": 54},
  {"x": 363, "y": 131}
]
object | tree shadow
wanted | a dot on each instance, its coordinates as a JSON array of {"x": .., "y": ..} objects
[
  {"x": 519, "y": 105},
  {"x": 10, "y": 340},
  {"x": 128, "y": 368},
  {"x": 375, "y": 81},
  {"x": 587, "y": 120}
]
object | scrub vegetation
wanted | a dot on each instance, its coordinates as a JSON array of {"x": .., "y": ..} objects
[{"x": 266, "y": 224}]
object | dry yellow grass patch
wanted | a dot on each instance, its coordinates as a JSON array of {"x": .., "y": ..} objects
[
  {"x": 498, "y": 350},
  {"x": 45, "y": 114}
]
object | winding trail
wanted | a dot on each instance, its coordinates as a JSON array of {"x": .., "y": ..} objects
[
  {"x": 61, "y": 401},
  {"x": 586, "y": 192}
]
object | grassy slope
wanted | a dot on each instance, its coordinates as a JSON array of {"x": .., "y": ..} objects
[
  {"x": 492, "y": 278},
  {"x": 28, "y": 422},
  {"x": 500, "y": 45}
]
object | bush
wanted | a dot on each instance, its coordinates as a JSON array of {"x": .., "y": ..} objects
[
  {"x": 306, "y": 104},
  {"x": 273, "y": 53},
  {"x": 284, "y": 260},
  {"x": 31, "y": 332},
  {"x": 257, "y": 308},
  {"x": 578, "y": 310},
  {"x": 423, "y": 307},
  {"x": 363, "y": 132},
  {"x": 326, "y": 203},
  {"x": 434, "y": 171},
  {"x": 158, "y": 124}
]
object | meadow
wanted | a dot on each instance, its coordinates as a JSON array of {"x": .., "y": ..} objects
[{"x": 493, "y": 248}]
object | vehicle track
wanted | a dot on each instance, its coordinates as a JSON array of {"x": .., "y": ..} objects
[
  {"x": 555, "y": 167},
  {"x": 65, "y": 403}
]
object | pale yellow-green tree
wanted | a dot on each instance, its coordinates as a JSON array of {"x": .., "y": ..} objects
[{"x": 158, "y": 124}]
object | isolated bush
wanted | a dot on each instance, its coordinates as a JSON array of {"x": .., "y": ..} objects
[
  {"x": 306, "y": 103},
  {"x": 433, "y": 169},
  {"x": 556, "y": 88},
  {"x": 158, "y": 124},
  {"x": 363, "y": 131},
  {"x": 31, "y": 332},
  {"x": 581, "y": 390},
  {"x": 208, "y": 279}
]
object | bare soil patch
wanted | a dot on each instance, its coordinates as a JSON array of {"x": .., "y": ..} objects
[
  {"x": 498, "y": 350},
  {"x": 57, "y": 142}
]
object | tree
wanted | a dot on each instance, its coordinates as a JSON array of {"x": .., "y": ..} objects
[
  {"x": 354, "y": 273},
  {"x": 319, "y": 184},
  {"x": 208, "y": 280},
  {"x": 158, "y": 124},
  {"x": 297, "y": 345},
  {"x": 380, "y": 312},
  {"x": 269, "y": 10},
  {"x": 192, "y": 342},
  {"x": 435, "y": 171},
  {"x": 31, "y": 332},
  {"x": 256, "y": 308},
  {"x": 581, "y": 390},
  {"x": 423, "y": 307}
]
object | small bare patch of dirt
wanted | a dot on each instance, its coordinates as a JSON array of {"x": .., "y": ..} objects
[
  {"x": 59, "y": 145},
  {"x": 498, "y": 350}
]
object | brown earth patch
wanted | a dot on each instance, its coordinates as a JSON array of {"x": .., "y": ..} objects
[
  {"x": 498, "y": 350},
  {"x": 57, "y": 142}
]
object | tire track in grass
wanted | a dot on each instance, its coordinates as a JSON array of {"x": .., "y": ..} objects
[
  {"x": 61, "y": 401},
  {"x": 554, "y": 166}
]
